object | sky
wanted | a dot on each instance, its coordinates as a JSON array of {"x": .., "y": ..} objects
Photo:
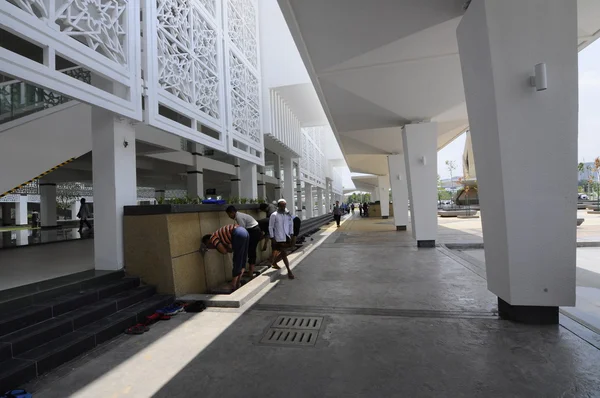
[{"x": 589, "y": 115}]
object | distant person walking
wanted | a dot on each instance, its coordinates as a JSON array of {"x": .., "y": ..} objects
[
  {"x": 360, "y": 209},
  {"x": 352, "y": 208},
  {"x": 83, "y": 214},
  {"x": 254, "y": 232},
  {"x": 231, "y": 239},
  {"x": 337, "y": 213},
  {"x": 281, "y": 230},
  {"x": 365, "y": 209}
]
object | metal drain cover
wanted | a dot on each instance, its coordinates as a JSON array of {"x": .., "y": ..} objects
[
  {"x": 298, "y": 322},
  {"x": 291, "y": 330},
  {"x": 290, "y": 337}
]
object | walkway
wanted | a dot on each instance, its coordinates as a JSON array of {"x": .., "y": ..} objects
[{"x": 396, "y": 322}]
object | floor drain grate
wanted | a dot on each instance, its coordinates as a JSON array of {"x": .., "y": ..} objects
[
  {"x": 290, "y": 337},
  {"x": 293, "y": 330},
  {"x": 298, "y": 322}
]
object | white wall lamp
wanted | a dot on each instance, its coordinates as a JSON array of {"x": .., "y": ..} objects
[
  {"x": 423, "y": 160},
  {"x": 540, "y": 79}
]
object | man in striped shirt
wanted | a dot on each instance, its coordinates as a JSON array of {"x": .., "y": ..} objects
[
  {"x": 254, "y": 232},
  {"x": 231, "y": 239}
]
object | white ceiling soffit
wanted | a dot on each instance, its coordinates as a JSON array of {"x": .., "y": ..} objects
[{"x": 379, "y": 64}]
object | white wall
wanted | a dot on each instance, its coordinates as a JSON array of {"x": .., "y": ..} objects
[{"x": 34, "y": 144}]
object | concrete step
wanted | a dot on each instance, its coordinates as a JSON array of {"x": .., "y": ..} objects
[
  {"x": 40, "y": 292},
  {"x": 59, "y": 340}
]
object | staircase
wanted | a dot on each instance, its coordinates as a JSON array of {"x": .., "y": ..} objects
[
  {"x": 42, "y": 129},
  {"x": 46, "y": 324}
]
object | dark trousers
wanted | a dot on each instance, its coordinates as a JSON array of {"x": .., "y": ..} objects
[
  {"x": 254, "y": 237},
  {"x": 84, "y": 221},
  {"x": 297, "y": 223},
  {"x": 239, "y": 244},
  {"x": 337, "y": 219}
]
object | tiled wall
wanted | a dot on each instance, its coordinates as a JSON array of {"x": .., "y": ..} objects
[{"x": 164, "y": 251}]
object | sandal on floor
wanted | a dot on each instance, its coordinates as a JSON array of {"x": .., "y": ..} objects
[{"x": 137, "y": 329}]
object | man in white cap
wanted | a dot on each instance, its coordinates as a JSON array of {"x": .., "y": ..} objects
[{"x": 281, "y": 229}]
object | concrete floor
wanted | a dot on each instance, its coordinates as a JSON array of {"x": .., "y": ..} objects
[
  {"x": 398, "y": 322},
  {"x": 587, "y": 308}
]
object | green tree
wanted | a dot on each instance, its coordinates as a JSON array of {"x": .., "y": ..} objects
[{"x": 451, "y": 166}]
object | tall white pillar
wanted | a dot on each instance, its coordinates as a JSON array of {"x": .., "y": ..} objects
[
  {"x": 236, "y": 180},
  {"x": 310, "y": 201},
  {"x": 288, "y": 183},
  {"x": 249, "y": 180},
  {"x": 261, "y": 185},
  {"x": 525, "y": 146},
  {"x": 195, "y": 173},
  {"x": 75, "y": 209},
  {"x": 375, "y": 194},
  {"x": 399, "y": 191},
  {"x": 384, "y": 195},
  {"x": 420, "y": 148},
  {"x": 320, "y": 207},
  {"x": 277, "y": 172},
  {"x": 47, "y": 205},
  {"x": 299, "y": 203},
  {"x": 21, "y": 210},
  {"x": 114, "y": 172},
  {"x": 328, "y": 197}
]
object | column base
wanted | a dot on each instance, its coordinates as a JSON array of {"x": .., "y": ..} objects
[
  {"x": 385, "y": 217},
  {"x": 528, "y": 314},
  {"x": 400, "y": 227},
  {"x": 426, "y": 243}
]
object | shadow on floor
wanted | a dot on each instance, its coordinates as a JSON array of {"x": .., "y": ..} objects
[{"x": 388, "y": 320}]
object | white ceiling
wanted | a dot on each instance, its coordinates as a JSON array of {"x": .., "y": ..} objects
[{"x": 379, "y": 64}]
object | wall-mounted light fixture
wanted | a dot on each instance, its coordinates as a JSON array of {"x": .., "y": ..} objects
[
  {"x": 540, "y": 78},
  {"x": 423, "y": 160},
  {"x": 399, "y": 177}
]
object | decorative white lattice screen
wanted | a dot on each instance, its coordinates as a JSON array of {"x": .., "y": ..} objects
[{"x": 100, "y": 36}]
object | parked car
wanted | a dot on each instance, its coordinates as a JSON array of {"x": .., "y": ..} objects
[{"x": 582, "y": 196}]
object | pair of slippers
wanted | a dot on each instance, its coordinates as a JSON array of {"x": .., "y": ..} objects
[{"x": 163, "y": 314}]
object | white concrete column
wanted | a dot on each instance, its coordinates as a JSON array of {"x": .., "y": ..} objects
[
  {"x": 21, "y": 210},
  {"x": 309, "y": 199},
  {"x": 375, "y": 194},
  {"x": 47, "y": 205},
  {"x": 261, "y": 185},
  {"x": 249, "y": 180},
  {"x": 277, "y": 173},
  {"x": 320, "y": 206},
  {"x": 399, "y": 191},
  {"x": 327, "y": 197},
  {"x": 288, "y": 183},
  {"x": 299, "y": 202},
  {"x": 420, "y": 148},
  {"x": 384, "y": 195},
  {"x": 75, "y": 209},
  {"x": 236, "y": 180},
  {"x": 114, "y": 172},
  {"x": 195, "y": 173},
  {"x": 525, "y": 146}
]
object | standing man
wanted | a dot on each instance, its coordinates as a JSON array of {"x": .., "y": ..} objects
[
  {"x": 83, "y": 215},
  {"x": 352, "y": 208},
  {"x": 254, "y": 232},
  {"x": 231, "y": 239},
  {"x": 281, "y": 230},
  {"x": 337, "y": 213}
]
